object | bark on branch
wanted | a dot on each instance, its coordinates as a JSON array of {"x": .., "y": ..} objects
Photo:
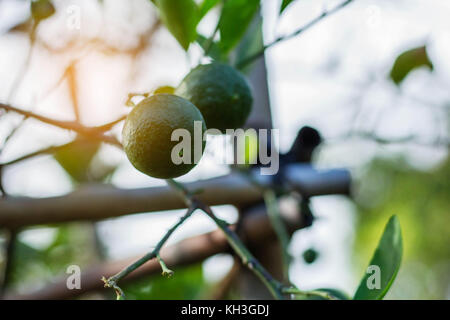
[{"x": 99, "y": 202}]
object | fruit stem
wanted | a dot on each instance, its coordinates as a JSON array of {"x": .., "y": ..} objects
[{"x": 165, "y": 271}]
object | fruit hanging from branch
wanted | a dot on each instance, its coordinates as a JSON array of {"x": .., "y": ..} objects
[
  {"x": 147, "y": 135},
  {"x": 220, "y": 92}
]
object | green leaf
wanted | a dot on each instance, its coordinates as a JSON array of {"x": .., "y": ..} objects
[
  {"x": 76, "y": 158},
  {"x": 251, "y": 43},
  {"x": 213, "y": 48},
  {"x": 205, "y": 6},
  {"x": 284, "y": 4},
  {"x": 408, "y": 61},
  {"x": 181, "y": 18},
  {"x": 387, "y": 257},
  {"x": 235, "y": 17}
]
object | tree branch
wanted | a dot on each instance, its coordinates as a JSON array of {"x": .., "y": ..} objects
[
  {"x": 110, "y": 125},
  {"x": 95, "y": 132},
  {"x": 310, "y": 24},
  {"x": 96, "y": 202}
]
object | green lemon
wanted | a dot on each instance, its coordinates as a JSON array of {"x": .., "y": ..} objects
[
  {"x": 220, "y": 92},
  {"x": 148, "y": 131}
]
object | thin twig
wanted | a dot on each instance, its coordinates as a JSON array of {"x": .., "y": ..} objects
[
  {"x": 110, "y": 125},
  {"x": 165, "y": 271},
  {"x": 112, "y": 282},
  {"x": 306, "y": 294},
  {"x": 260, "y": 53},
  {"x": 48, "y": 150},
  {"x": 210, "y": 40},
  {"x": 69, "y": 125},
  {"x": 95, "y": 132},
  {"x": 246, "y": 256}
]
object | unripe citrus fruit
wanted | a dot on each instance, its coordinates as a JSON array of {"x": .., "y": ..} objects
[
  {"x": 148, "y": 130},
  {"x": 220, "y": 92}
]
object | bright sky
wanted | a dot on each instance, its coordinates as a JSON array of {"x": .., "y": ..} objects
[{"x": 321, "y": 78}]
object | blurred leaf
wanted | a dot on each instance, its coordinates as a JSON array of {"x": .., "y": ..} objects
[
  {"x": 186, "y": 283},
  {"x": 284, "y": 5},
  {"x": 408, "y": 61},
  {"x": 99, "y": 171},
  {"x": 23, "y": 251},
  {"x": 213, "y": 49},
  {"x": 71, "y": 244},
  {"x": 419, "y": 197},
  {"x": 336, "y": 293},
  {"x": 180, "y": 18},
  {"x": 42, "y": 9},
  {"x": 235, "y": 17},
  {"x": 76, "y": 157},
  {"x": 387, "y": 257},
  {"x": 251, "y": 43},
  {"x": 205, "y": 6}
]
